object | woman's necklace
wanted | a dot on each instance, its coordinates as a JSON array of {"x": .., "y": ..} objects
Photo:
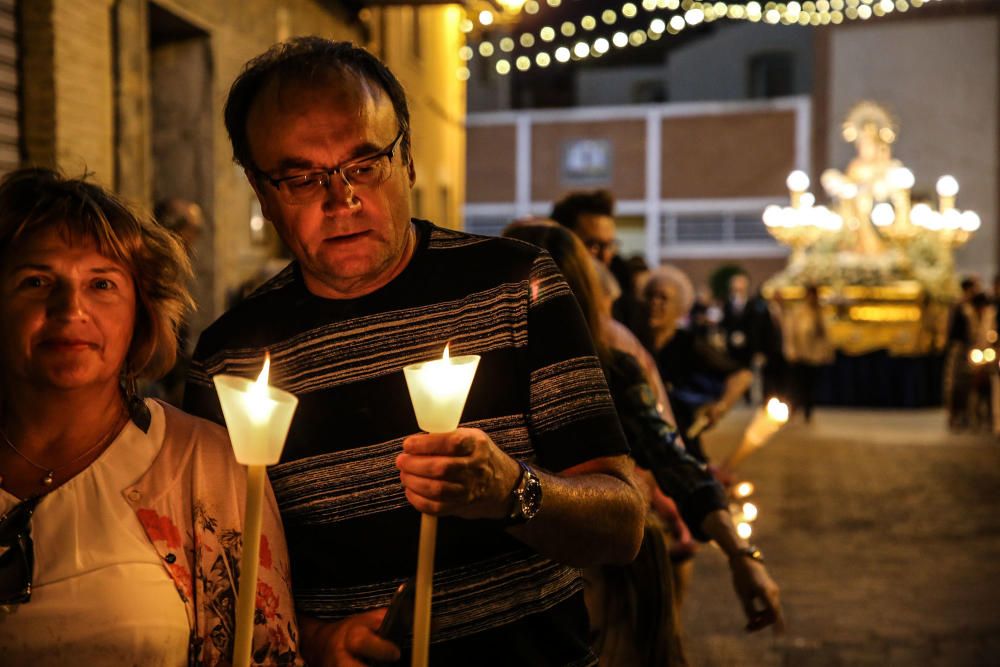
[{"x": 50, "y": 473}]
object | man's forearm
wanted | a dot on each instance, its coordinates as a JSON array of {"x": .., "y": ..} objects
[{"x": 591, "y": 514}]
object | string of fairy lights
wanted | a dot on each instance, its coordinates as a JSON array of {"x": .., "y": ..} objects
[{"x": 592, "y": 36}]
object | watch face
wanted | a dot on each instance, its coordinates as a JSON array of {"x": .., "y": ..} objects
[{"x": 531, "y": 499}]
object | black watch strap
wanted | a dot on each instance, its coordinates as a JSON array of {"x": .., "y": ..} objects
[{"x": 525, "y": 497}]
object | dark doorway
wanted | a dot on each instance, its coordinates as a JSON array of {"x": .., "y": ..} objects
[{"x": 180, "y": 95}]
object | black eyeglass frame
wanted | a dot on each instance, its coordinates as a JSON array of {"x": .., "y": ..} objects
[
  {"x": 18, "y": 552},
  {"x": 389, "y": 151}
]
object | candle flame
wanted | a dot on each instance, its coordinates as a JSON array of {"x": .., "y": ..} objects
[
  {"x": 257, "y": 395},
  {"x": 777, "y": 411},
  {"x": 262, "y": 378},
  {"x": 445, "y": 355}
]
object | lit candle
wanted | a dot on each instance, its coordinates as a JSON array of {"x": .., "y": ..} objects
[
  {"x": 438, "y": 390},
  {"x": 765, "y": 424},
  {"x": 257, "y": 417}
]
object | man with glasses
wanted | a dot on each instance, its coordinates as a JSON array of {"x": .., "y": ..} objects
[
  {"x": 538, "y": 483},
  {"x": 590, "y": 215}
]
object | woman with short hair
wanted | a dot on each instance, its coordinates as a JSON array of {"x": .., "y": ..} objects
[{"x": 120, "y": 526}]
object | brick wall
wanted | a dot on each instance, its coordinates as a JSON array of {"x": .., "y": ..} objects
[{"x": 89, "y": 71}]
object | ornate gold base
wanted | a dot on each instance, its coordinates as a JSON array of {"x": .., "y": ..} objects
[{"x": 896, "y": 317}]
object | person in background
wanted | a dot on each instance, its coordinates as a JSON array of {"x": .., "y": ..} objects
[
  {"x": 808, "y": 349},
  {"x": 120, "y": 518},
  {"x": 962, "y": 326},
  {"x": 632, "y": 606},
  {"x": 737, "y": 319},
  {"x": 776, "y": 370},
  {"x": 183, "y": 218},
  {"x": 590, "y": 215},
  {"x": 701, "y": 380},
  {"x": 186, "y": 221}
]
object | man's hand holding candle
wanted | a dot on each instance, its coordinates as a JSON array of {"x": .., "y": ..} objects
[
  {"x": 351, "y": 642},
  {"x": 462, "y": 473}
]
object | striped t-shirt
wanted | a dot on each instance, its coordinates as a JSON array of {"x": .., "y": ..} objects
[{"x": 539, "y": 393}]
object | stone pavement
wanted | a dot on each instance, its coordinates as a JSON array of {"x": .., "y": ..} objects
[{"x": 883, "y": 531}]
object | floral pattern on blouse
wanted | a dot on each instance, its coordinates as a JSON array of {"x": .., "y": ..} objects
[{"x": 190, "y": 504}]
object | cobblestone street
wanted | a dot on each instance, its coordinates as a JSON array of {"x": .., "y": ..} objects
[{"x": 883, "y": 531}]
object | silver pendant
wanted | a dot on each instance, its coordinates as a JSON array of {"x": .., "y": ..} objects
[{"x": 47, "y": 480}]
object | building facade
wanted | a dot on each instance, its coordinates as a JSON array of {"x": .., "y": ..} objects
[{"x": 693, "y": 175}]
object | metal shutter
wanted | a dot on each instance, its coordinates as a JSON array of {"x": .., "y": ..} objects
[{"x": 10, "y": 155}]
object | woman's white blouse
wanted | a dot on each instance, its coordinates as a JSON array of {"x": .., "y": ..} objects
[{"x": 101, "y": 596}]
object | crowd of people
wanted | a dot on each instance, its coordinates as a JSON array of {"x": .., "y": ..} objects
[
  {"x": 971, "y": 382},
  {"x": 120, "y": 516}
]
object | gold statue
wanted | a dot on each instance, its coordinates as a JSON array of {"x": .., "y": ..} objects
[{"x": 868, "y": 179}]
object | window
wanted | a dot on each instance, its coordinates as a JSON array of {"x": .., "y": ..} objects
[{"x": 771, "y": 75}]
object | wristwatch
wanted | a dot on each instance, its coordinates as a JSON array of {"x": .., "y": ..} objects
[
  {"x": 751, "y": 552},
  {"x": 526, "y": 497}
]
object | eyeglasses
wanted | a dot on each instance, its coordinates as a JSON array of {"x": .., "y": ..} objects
[
  {"x": 367, "y": 171},
  {"x": 598, "y": 248},
  {"x": 17, "y": 552}
]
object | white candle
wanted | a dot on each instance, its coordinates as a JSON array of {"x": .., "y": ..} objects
[
  {"x": 258, "y": 417},
  {"x": 765, "y": 424},
  {"x": 438, "y": 390}
]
